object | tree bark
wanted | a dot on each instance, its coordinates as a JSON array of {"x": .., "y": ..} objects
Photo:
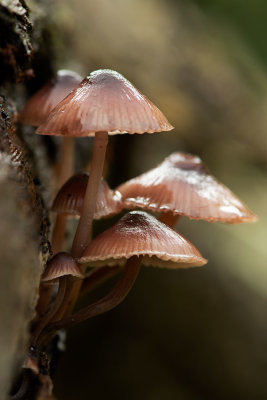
[{"x": 24, "y": 245}]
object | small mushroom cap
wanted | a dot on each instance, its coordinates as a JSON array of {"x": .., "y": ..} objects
[
  {"x": 32, "y": 364},
  {"x": 140, "y": 234},
  {"x": 182, "y": 185},
  {"x": 44, "y": 100},
  {"x": 69, "y": 199},
  {"x": 60, "y": 265},
  {"x": 104, "y": 102}
]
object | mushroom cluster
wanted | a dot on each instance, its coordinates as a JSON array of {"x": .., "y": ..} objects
[{"x": 102, "y": 104}]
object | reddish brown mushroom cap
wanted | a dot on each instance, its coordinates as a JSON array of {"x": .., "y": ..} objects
[
  {"x": 140, "y": 234},
  {"x": 104, "y": 102},
  {"x": 60, "y": 265},
  {"x": 69, "y": 199},
  {"x": 182, "y": 185},
  {"x": 44, "y": 100}
]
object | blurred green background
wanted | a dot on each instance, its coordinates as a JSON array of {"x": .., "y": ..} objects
[{"x": 199, "y": 333}]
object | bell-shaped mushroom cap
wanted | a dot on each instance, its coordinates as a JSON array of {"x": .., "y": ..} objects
[
  {"x": 44, "y": 100},
  {"x": 60, "y": 265},
  {"x": 104, "y": 102},
  {"x": 69, "y": 199},
  {"x": 140, "y": 234},
  {"x": 182, "y": 185}
]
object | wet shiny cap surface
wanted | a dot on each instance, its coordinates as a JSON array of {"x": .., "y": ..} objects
[
  {"x": 139, "y": 233},
  {"x": 44, "y": 100},
  {"x": 69, "y": 199},
  {"x": 182, "y": 185},
  {"x": 60, "y": 265},
  {"x": 105, "y": 101}
]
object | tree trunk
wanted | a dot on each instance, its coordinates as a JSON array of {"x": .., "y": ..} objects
[{"x": 24, "y": 245}]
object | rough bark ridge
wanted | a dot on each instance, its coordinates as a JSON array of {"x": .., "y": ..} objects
[
  {"x": 15, "y": 45},
  {"x": 24, "y": 246}
]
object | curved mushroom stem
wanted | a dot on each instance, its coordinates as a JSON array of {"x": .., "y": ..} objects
[
  {"x": 168, "y": 218},
  {"x": 51, "y": 311},
  {"x": 23, "y": 387},
  {"x": 61, "y": 309},
  {"x": 111, "y": 300},
  {"x": 65, "y": 171},
  {"x": 66, "y": 160},
  {"x": 45, "y": 295},
  {"x": 83, "y": 235},
  {"x": 84, "y": 229},
  {"x": 58, "y": 233}
]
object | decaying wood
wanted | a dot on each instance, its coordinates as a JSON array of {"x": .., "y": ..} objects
[
  {"x": 24, "y": 245},
  {"x": 15, "y": 44}
]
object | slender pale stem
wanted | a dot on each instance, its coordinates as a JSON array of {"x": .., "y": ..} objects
[
  {"x": 58, "y": 236},
  {"x": 66, "y": 168},
  {"x": 65, "y": 171},
  {"x": 60, "y": 311},
  {"x": 111, "y": 300},
  {"x": 59, "y": 233},
  {"x": 45, "y": 293},
  {"x": 168, "y": 218},
  {"x": 83, "y": 235},
  {"x": 84, "y": 229},
  {"x": 51, "y": 311}
]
